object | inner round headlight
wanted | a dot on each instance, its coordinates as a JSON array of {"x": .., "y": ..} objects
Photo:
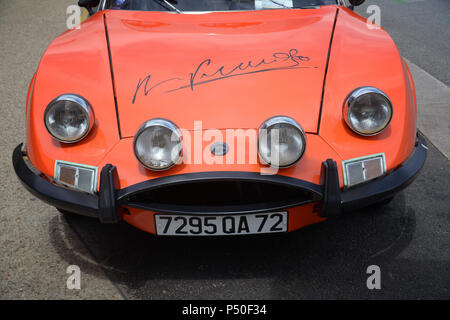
[
  {"x": 69, "y": 118},
  {"x": 157, "y": 144},
  {"x": 367, "y": 111},
  {"x": 281, "y": 142}
]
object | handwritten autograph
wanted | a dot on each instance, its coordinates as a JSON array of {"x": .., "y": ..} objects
[{"x": 201, "y": 76}]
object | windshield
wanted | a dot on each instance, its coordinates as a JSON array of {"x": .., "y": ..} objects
[{"x": 211, "y": 5}]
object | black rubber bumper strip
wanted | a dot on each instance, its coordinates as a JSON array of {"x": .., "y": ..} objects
[
  {"x": 109, "y": 185},
  {"x": 329, "y": 176},
  {"x": 62, "y": 198},
  {"x": 110, "y": 197}
]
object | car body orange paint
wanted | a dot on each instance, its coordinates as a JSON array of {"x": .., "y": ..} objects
[
  {"x": 224, "y": 39},
  {"x": 158, "y": 72}
]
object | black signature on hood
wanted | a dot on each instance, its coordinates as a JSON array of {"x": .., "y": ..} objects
[{"x": 204, "y": 73}]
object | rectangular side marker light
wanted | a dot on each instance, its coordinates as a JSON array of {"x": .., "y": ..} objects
[
  {"x": 363, "y": 169},
  {"x": 77, "y": 176}
]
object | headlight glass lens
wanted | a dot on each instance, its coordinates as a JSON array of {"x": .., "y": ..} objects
[
  {"x": 368, "y": 111},
  {"x": 281, "y": 142},
  {"x": 68, "y": 118},
  {"x": 157, "y": 144}
]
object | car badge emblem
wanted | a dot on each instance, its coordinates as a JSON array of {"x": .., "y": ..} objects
[{"x": 219, "y": 148}]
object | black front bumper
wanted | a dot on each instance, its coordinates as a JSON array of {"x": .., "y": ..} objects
[{"x": 105, "y": 205}]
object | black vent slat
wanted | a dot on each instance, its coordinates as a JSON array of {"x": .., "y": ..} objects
[{"x": 214, "y": 195}]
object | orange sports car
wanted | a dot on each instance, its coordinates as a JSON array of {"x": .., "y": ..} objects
[{"x": 220, "y": 117}]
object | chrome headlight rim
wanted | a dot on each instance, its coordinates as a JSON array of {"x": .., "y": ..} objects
[
  {"x": 85, "y": 107},
  {"x": 163, "y": 123},
  {"x": 357, "y": 93},
  {"x": 281, "y": 120}
]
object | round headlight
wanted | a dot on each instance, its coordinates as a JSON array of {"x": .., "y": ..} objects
[
  {"x": 69, "y": 118},
  {"x": 157, "y": 144},
  {"x": 281, "y": 142},
  {"x": 368, "y": 111}
]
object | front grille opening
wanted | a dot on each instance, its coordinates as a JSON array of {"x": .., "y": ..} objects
[{"x": 223, "y": 194}]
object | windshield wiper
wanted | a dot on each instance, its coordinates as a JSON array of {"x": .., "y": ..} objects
[
  {"x": 280, "y": 4},
  {"x": 167, "y": 3},
  {"x": 287, "y": 7}
]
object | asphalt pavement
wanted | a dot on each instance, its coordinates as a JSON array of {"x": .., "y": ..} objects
[
  {"x": 408, "y": 239},
  {"x": 32, "y": 266},
  {"x": 421, "y": 30}
]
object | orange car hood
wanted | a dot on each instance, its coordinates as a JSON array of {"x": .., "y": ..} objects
[{"x": 227, "y": 69}]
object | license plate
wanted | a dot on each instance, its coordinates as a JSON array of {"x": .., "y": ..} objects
[{"x": 217, "y": 225}]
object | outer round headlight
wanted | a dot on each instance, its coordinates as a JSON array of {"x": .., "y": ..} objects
[
  {"x": 69, "y": 118},
  {"x": 281, "y": 142},
  {"x": 157, "y": 144},
  {"x": 367, "y": 111}
]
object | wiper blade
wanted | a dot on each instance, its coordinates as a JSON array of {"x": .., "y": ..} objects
[
  {"x": 280, "y": 4},
  {"x": 168, "y": 4},
  {"x": 172, "y": 6},
  {"x": 287, "y": 7}
]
